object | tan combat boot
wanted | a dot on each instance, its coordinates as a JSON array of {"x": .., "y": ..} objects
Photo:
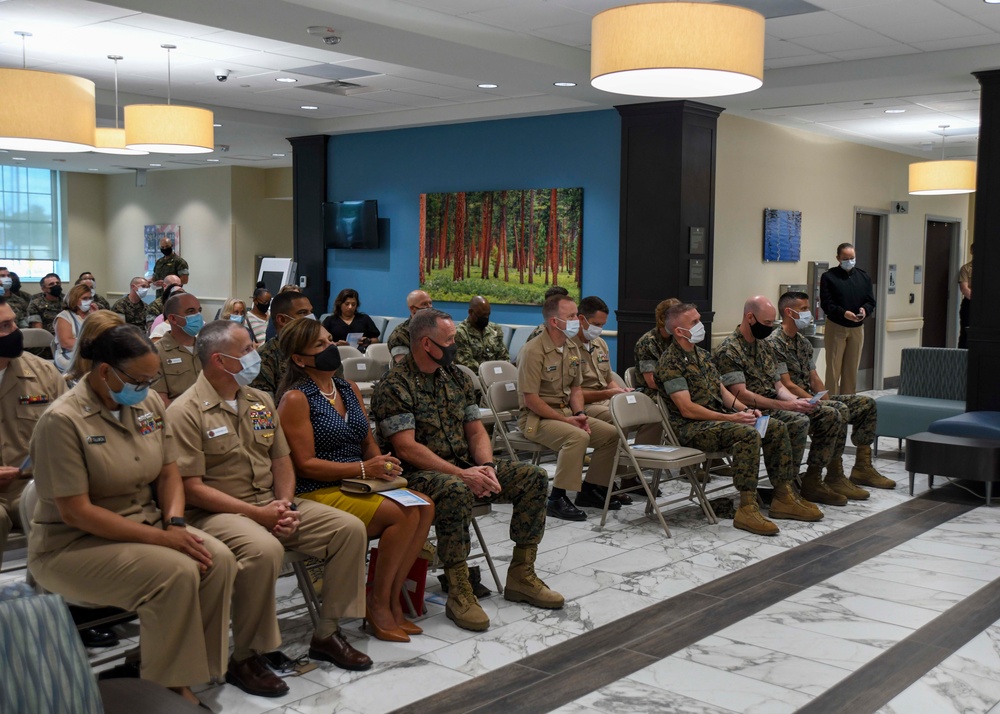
[
  {"x": 815, "y": 490},
  {"x": 524, "y": 585},
  {"x": 786, "y": 503},
  {"x": 838, "y": 482},
  {"x": 865, "y": 474},
  {"x": 462, "y": 606},
  {"x": 749, "y": 518}
]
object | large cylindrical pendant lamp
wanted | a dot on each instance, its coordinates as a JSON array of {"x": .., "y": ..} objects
[
  {"x": 45, "y": 111},
  {"x": 677, "y": 50},
  {"x": 939, "y": 178},
  {"x": 112, "y": 141},
  {"x": 169, "y": 129}
]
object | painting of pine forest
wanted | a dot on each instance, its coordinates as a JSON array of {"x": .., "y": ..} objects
[{"x": 508, "y": 246}]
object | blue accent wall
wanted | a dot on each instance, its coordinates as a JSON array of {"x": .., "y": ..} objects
[{"x": 395, "y": 167}]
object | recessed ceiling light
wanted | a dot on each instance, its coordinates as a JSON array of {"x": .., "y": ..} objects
[
  {"x": 217, "y": 125},
  {"x": 895, "y": 111},
  {"x": 156, "y": 166},
  {"x": 488, "y": 85},
  {"x": 93, "y": 169},
  {"x": 286, "y": 80},
  {"x": 564, "y": 84},
  {"x": 277, "y": 156},
  {"x": 308, "y": 106},
  {"x": 18, "y": 158},
  {"x": 212, "y": 161}
]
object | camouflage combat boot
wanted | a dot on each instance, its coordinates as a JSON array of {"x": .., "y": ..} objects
[
  {"x": 462, "y": 606},
  {"x": 749, "y": 518},
  {"x": 788, "y": 504},
  {"x": 523, "y": 585},
  {"x": 839, "y": 483},
  {"x": 864, "y": 474},
  {"x": 815, "y": 490}
]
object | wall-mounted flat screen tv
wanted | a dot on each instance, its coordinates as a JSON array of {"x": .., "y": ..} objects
[{"x": 351, "y": 224}]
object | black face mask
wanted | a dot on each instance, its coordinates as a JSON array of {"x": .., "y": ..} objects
[
  {"x": 328, "y": 360},
  {"x": 447, "y": 353},
  {"x": 167, "y": 251},
  {"x": 481, "y": 322},
  {"x": 263, "y": 307},
  {"x": 56, "y": 291},
  {"x": 759, "y": 331},
  {"x": 12, "y": 345}
]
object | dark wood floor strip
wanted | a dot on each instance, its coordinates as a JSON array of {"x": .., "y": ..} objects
[
  {"x": 878, "y": 682},
  {"x": 571, "y": 669}
]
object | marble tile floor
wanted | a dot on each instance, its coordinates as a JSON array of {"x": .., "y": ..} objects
[{"x": 775, "y": 660}]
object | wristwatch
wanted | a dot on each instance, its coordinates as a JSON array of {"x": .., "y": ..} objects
[
  {"x": 176, "y": 521},
  {"x": 490, "y": 464},
  {"x": 579, "y": 413}
]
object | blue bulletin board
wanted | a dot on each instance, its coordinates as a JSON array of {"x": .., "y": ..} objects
[{"x": 782, "y": 235}]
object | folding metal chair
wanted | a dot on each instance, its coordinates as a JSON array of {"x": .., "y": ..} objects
[
  {"x": 501, "y": 398},
  {"x": 363, "y": 371},
  {"x": 496, "y": 371},
  {"x": 670, "y": 437}
]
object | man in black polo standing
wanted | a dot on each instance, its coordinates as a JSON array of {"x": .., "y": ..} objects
[{"x": 845, "y": 294}]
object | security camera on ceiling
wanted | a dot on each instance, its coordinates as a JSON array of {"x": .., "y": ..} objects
[
  {"x": 223, "y": 74},
  {"x": 328, "y": 34}
]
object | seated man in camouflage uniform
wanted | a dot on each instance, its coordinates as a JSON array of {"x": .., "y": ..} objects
[
  {"x": 750, "y": 372},
  {"x": 134, "y": 306},
  {"x": 44, "y": 307},
  {"x": 706, "y": 417},
  {"x": 798, "y": 373},
  {"x": 478, "y": 339},
  {"x": 426, "y": 410},
  {"x": 285, "y": 307},
  {"x": 17, "y": 303},
  {"x": 399, "y": 341}
]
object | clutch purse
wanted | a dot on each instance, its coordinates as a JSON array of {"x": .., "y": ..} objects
[{"x": 371, "y": 485}]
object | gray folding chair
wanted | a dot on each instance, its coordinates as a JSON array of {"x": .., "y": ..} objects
[
  {"x": 494, "y": 371},
  {"x": 501, "y": 398},
  {"x": 380, "y": 353},
  {"x": 724, "y": 457},
  {"x": 363, "y": 371},
  {"x": 485, "y": 414},
  {"x": 632, "y": 378},
  {"x": 348, "y": 351}
]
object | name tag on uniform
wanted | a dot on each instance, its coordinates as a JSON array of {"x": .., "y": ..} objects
[
  {"x": 175, "y": 360},
  {"x": 218, "y": 431},
  {"x": 551, "y": 368},
  {"x": 97, "y": 440},
  {"x": 34, "y": 399}
]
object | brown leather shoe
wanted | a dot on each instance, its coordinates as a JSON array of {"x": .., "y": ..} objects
[
  {"x": 253, "y": 677},
  {"x": 336, "y": 649}
]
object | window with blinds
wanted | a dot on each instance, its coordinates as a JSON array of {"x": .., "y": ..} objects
[{"x": 29, "y": 221}]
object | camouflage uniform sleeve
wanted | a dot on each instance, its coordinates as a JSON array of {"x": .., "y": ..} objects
[
  {"x": 646, "y": 359},
  {"x": 780, "y": 351},
  {"x": 471, "y": 412},
  {"x": 267, "y": 379},
  {"x": 392, "y": 406},
  {"x": 182, "y": 267},
  {"x": 464, "y": 354},
  {"x": 669, "y": 377},
  {"x": 34, "y": 310},
  {"x": 729, "y": 366},
  {"x": 536, "y": 332},
  {"x": 502, "y": 352},
  {"x": 399, "y": 341}
]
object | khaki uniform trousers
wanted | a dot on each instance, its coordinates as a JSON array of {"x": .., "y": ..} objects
[
  {"x": 10, "y": 518},
  {"x": 571, "y": 442},
  {"x": 335, "y": 537},
  {"x": 183, "y": 615},
  {"x": 843, "y": 355}
]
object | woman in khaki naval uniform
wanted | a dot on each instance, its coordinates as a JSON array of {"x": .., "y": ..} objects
[{"x": 98, "y": 536}]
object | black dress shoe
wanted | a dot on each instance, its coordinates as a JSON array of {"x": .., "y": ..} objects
[
  {"x": 253, "y": 677},
  {"x": 336, "y": 649},
  {"x": 594, "y": 497},
  {"x": 561, "y": 508},
  {"x": 98, "y": 637}
]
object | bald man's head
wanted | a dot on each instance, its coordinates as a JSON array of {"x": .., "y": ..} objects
[
  {"x": 418, "y": 300},
  {"x": 479, "y": 312}
]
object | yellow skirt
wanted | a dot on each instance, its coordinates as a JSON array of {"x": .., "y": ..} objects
[{"x": 362, "y": 505}]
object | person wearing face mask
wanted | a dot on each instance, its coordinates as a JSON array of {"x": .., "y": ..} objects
[
  {"x": 239, "y": 484},
  {"x": 179, "y": 362},
  {"x": 17, "y": 303},
  {"x": 478, "y": 339},
  {"x": 553, "y": 290},
  {"x": 134, "y": 306},
  {"x": 100, "y": 452},
  {"x": 285, "y": 307},
  {"x": 595, "y": 359},
  {"x": 328, "y": 431},
  {"x": 750, "y": 373},
  {"x": 260, "y": 304},
  {"x": 426, "y": 411},
  {"x": 87, "y": 278},
  {"x": 705, "y": 416},
  {"x": 171, "y": 282},
  {"x": 549, "y": 379},
  {"x": 169, "y": 264},
  {"x": 347, "y": 320},
  {"x": 845, "y": 294},
  {"x": 44, "y": 307},
  {"x": 399, "y": 341},
  {"x": 79, "y": 304},
  {"x": 798, "y": 373}
]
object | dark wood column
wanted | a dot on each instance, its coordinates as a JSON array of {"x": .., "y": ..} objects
[
  {"x": 309, "y": 162},
  {"x": 984, "y": 328},
  {"x": 667, "y": 214}
]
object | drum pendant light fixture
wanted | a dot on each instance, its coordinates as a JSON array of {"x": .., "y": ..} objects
[
  {"x": 677, "y": 50},
  {"x": 168, "y": 128},
  {"x": 112, "y": 141},
  {"x": 45, "y": 111},
  {"x": 940, "y": 178}
]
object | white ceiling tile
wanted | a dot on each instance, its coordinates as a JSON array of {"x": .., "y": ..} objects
[
  {"x": 801, "y": 61},
  {"x": 405, "y": 99},
  {"x": 945, "y": 28},
  {"x": 452, "y": 7},
  {"x": 886, "y": 15},
  {"x": 575, "y": 34},
  {"x": 987, "y": 15},
  {"x": 875, "y": 52},
  {"x": 775, "y": 48},
  {"x": 955, "y": 43},
  {"x": 168, "y": 25},
  {"x": 526, "y": 15},
  {"x": 842, "y": 41},
  {"x": 807, "y": 25}
]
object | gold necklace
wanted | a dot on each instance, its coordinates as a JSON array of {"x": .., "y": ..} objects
[{"x": 332, "y": 396}]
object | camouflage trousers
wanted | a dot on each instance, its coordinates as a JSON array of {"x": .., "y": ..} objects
[
  {"x": 524, "y": 485},
  {"x": 825, "y": 427},
  {"x": 797, "y": 429},
  {"x": 859, "y": 411},
  {"x": 744, "y": 443}
]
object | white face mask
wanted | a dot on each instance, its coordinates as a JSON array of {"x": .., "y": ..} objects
[
  {"x": 848, "y": 265},
  {"x": 6, "y": 283},
  {"x": 593, "y": 332},
  {"x": 697, "y": 333},
  {"x": 572, "y": 327},
  {"x": 803, "y": 320},
  {"x": 85, "y": 305},
  {"x": 141, "y": 292}
]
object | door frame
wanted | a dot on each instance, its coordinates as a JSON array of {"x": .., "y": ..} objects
[
  {"x": 883, "y": 285},
  {"x": 954, "y": 263}
]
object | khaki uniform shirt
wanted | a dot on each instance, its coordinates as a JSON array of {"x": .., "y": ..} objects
[
  {"x": 399, "y": 340},
  {"x": 476, "y": 346},
  {"x": 595, "y": 361},
  {"x": 230, "y": 450},
  {"x": 694, "y": 372},
  {"x": 29, "y": 386},
  {"x": 794, "y": 356},
  {"x": 44, "y": 311},
  {"x": 79, "y": 447},
  {"x": 548, "y": 371},
  {"x": 20, "y": 307},
  {"x": 435, "y": 406},
  {"x": 134, "y": 312},
  {"x": 965, "y": 274},
  {"x": 647, "y": 355},
  {"x": 753, "y": 364},
  {"x": 178, "y": 366}
]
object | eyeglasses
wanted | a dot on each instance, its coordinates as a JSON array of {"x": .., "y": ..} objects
[{"x": 135, "y": 382}]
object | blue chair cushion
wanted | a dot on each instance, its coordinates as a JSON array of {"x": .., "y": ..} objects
[
  {"x": 974, "y": 425},
  {"x": 901, "y": 416}
]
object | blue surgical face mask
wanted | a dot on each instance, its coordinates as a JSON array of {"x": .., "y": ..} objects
[
  {"x": 193, "y": 324},
  {"x": 803, "y": 320},
  {"x": 848, "y": 265},
  {"x": 130, "y": 394},
  {"x": 251, "y": 368},
  {"x": 236, "y": 318}
]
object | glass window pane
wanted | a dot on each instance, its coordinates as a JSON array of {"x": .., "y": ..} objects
[
  {"x": 39, "y": 207},
  {"x": 43, "y": 245},
  {"x": 39, "y": 181}
]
